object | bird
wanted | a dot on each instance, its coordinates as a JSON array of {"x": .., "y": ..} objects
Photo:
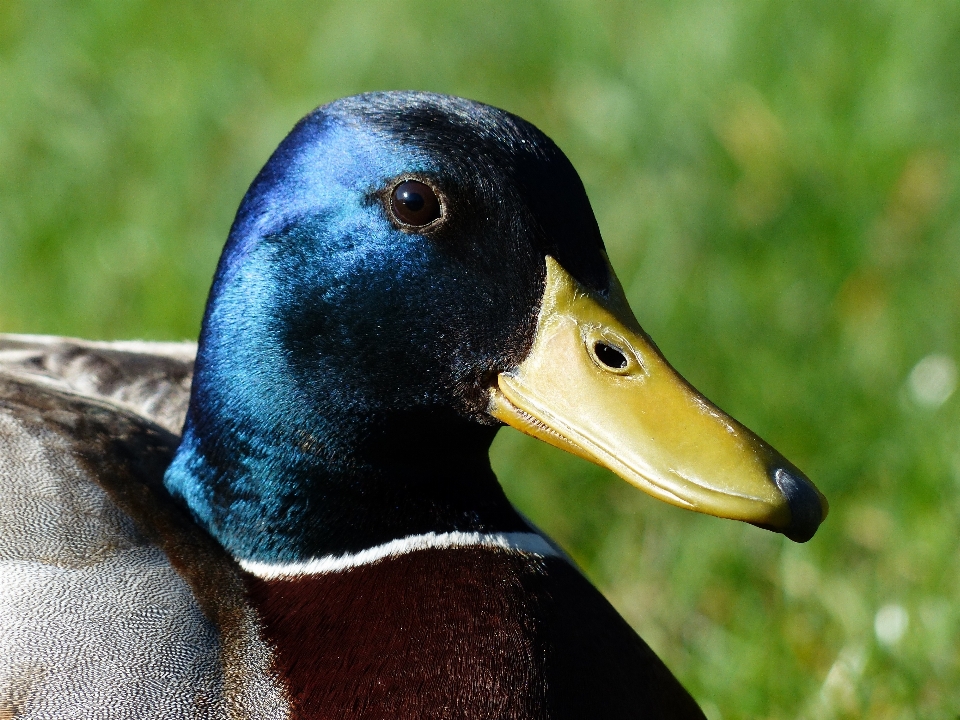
[{"x": 296, "y": 517}]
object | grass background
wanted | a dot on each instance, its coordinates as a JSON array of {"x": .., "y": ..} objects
[{"x": 777, "y": 184}]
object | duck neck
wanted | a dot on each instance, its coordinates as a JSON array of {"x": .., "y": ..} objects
[{"x": 285, "y": 485}]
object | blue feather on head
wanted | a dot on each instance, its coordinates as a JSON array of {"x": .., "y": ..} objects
[{"x": 340, "y": 389}]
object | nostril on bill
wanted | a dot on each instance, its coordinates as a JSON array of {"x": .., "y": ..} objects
[
  {"x": 610, "y": 356},
  {"x": 806, "y": 509}
]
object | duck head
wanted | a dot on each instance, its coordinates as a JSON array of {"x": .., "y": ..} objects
[{"x": 407, "y": 273}]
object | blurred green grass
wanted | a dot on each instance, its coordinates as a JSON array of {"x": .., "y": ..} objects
[{"x": 777, "y": 186}]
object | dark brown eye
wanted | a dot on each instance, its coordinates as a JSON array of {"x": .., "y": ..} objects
[{"x": 415, "y": 203}]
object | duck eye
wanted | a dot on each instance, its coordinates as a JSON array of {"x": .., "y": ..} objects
[
  {"x": 610, "y": 356},
  {"x": 415, "y": 203}
]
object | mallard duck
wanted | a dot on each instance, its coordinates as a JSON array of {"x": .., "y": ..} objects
[{"x": 325, "y": 538}]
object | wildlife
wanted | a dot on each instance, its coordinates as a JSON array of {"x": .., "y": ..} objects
[{"x": 298, "y": 517}]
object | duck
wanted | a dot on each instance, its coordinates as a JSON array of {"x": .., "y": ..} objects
[{"x": 296, "y": 517}]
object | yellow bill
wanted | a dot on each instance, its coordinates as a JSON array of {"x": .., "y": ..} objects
[{"x": 595, "y": 384}]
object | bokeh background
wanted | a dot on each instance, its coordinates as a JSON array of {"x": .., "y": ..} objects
[{"x": 777, "y": 185}]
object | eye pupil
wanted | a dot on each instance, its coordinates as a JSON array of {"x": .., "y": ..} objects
[
  {"x": 415, "y": 203},
  {"x": 412, "y": 201}
]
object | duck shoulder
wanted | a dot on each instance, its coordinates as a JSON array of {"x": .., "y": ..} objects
[{"x": 111, "y": 595}]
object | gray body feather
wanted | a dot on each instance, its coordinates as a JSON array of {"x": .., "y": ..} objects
[
  {"x": 113, "y": 604},
  {"x": 151, "y": 379}
]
